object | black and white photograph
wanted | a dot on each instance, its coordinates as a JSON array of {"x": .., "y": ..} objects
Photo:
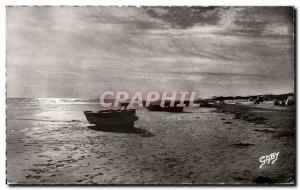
[{"x": 150, "y": 95}]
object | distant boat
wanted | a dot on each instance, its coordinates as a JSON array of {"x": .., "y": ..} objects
[
  {"x": 155, "y": 106},
  {"x": 112, "y": 118},
  {"x": 174, "y": 109}
]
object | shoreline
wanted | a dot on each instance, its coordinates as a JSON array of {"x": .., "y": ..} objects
[{"x": 201, "y": 146}]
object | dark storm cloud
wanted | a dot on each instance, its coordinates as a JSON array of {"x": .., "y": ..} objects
[
  {"x": 250, "y": 20},
  {"x": 185, "y": 17}
]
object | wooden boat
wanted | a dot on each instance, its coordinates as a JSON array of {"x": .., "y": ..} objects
[
  {"x": 174, "y": 109},
  {"x": 155, "y": 106},
  {"x": 112, "y": 118}
]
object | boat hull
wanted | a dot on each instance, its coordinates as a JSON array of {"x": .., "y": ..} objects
[
  {"x": 174, "y": 109},
  {"x": 119, "y": 118},
  {"x": 166, "y": 108}
]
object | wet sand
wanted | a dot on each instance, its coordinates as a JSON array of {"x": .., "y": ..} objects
[{"x": 201, "y": 146}]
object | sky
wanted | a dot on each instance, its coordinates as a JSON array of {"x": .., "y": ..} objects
[{"x": 80, "y": 52}]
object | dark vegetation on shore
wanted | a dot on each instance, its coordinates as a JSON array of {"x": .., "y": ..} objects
[
  {"x": 266, "y": 96},
  {"x": 278, "y": 123},
  {"x": 263, "y": 116}
]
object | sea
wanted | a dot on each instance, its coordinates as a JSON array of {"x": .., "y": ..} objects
[{"x": 50, "y": 109}]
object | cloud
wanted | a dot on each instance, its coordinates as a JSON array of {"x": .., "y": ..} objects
[{"x": 80, "y": 51}]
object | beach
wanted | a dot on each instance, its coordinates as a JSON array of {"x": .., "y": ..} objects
[{"x": 49, "y": 141}]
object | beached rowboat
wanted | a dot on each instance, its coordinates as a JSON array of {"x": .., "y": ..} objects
[{"x": 112, "y": 118}]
